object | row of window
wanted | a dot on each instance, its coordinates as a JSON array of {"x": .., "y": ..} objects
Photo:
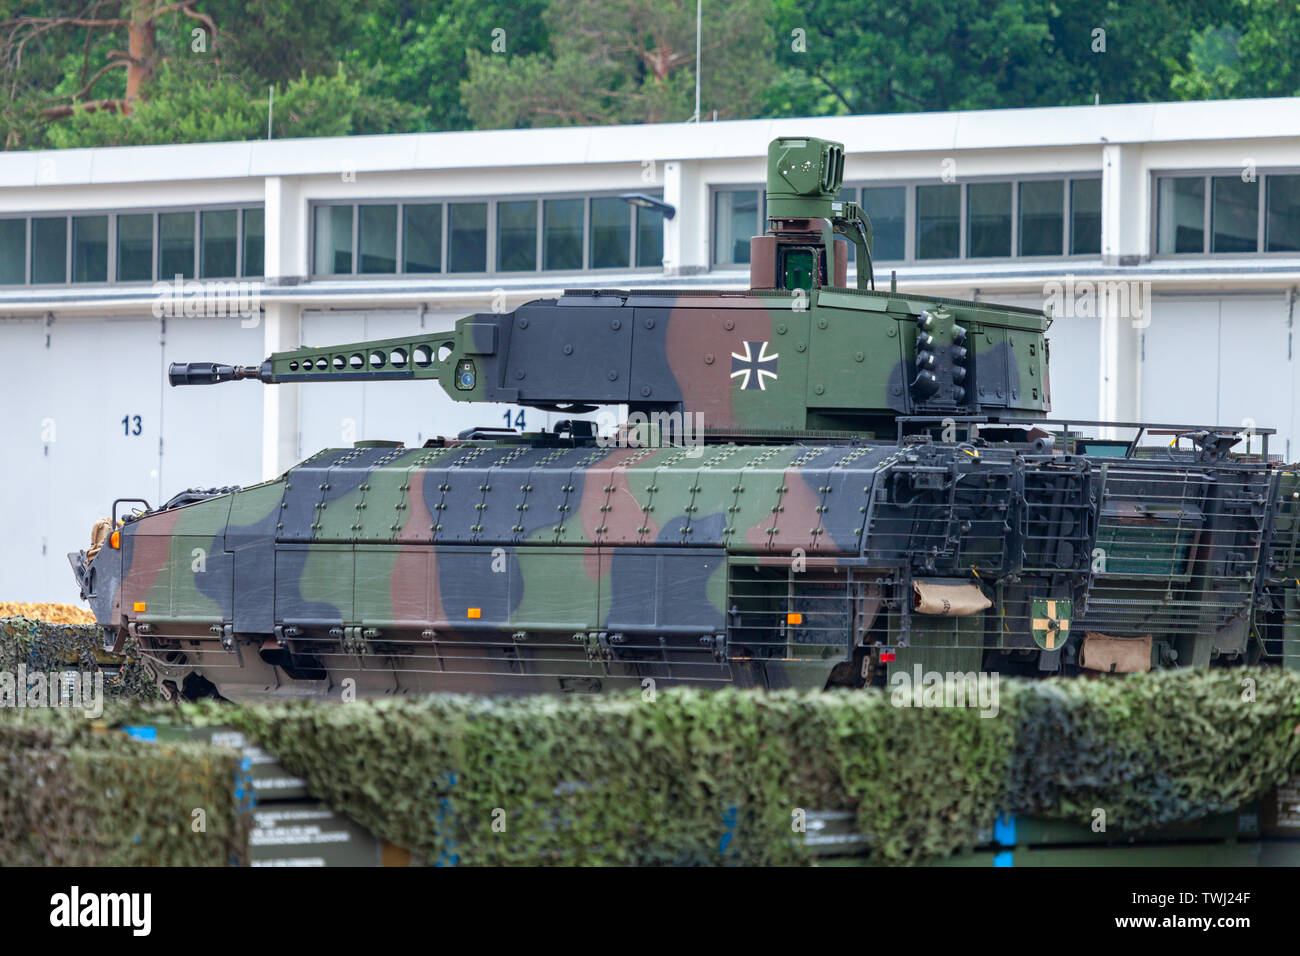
[
  {"x": 1233, "y": 220},
  {"x": 984, "y": 220},
  {"x": 912, "y": 223},
  {"x": 568, "y": 234},
  {"x": 132, "y": 246}
]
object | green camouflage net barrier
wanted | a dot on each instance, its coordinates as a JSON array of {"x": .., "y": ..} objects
[
  {"x": 721, "y": 778},
  {"x": 41, "y": 646},
  {"x": 76, "y": 793},
  {"x": 1153, "y": 749},
  {"x": 705, "y": 778},
  {"x": 692, "y": 778}
]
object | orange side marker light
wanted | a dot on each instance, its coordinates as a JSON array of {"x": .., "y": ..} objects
[
  {"x": 474, "y": 613},
  {"x": 794, "y": 617},
  {"x": 115, "y": 540},
  {"x": 138, "y": 607}
]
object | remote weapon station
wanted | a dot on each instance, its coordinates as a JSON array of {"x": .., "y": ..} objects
[{"x": 813, "y": 484}]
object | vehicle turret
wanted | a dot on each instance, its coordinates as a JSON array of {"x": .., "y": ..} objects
[{"x": 800, "y": 353}]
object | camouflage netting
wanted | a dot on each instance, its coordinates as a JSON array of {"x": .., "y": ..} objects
[
  {"x": 691, "y": 778},
  {"x": 700, "y": 778},
  {"x": 1153, "y": 749},
  {"x": 43, "y": 646},
  {"x": 708, "y": 778},
  {"x": 73, "y": 792}
]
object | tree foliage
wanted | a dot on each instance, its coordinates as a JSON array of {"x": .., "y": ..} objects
[
  {"x": 183, "y": 111},
  {"x": 419, "y": 49},
  {"x": 1257, "y": 54},
  {"x": 627, "y": 61},
  {"x": 883, "y": 56},
  {"x": 107, "y": 72}
]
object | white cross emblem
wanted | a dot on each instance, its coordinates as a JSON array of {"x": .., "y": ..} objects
[{"x": 751, "y": 368}]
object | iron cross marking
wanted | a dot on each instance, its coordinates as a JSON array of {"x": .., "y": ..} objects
[{"x": 753, "y": 365}]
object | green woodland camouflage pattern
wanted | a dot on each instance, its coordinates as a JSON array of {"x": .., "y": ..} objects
[{"x": 797, "y": 459}]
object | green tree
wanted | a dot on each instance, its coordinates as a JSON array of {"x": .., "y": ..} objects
[
  {"x": 277, "y": 41},
  {"x": 419, "y": 49},
  {"x": 119, "y": 53},
  {"x": 883, "y": 56},
  {"x": 627, "y": 61},
  {"x": 201, "y": 104},
  {"x": 869, "y": 56},
  {"x": 1145, "y": 45},
  {"x": 191, "y": 86},
  {"x": 107, "y": 72},
  {"x": 1258, "y": 54}
]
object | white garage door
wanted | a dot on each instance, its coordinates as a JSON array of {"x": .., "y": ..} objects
[
  {"x": 28, "y": 435},
  {"x": 1220, "y": 361},
  {"x": 84, "y": 426},
  {"x": 87, "y": 405}
]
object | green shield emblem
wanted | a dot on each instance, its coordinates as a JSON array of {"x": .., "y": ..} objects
[{"x": 1050, "y": 621}]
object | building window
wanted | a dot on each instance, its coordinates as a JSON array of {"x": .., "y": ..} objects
[
  {"x": 176, "y": 245},
  {"x": 988, "y": 220},
  {"x": 1234, "y": 215},
  {"x": 611, "y": 233},
  {"x": 1222, "y": 214},
  {"x": 1085, "y": 217},
  {"x": 1181, "y": 215},
  {"x": 1282, "y": 219},
  {"x": 938, "y": 222},
  {"x": 494, "y": 236},
  {"x": 649, "y": 237},
  {"x": 517, "y": 235},
  {"x": 50, "y": 250},
  {"x": 13, "y": 251},
  {"x": 135, "y": 247},
  {"x": 467, "y": 237},
  {"x": 89, "y": 248},
  {"x": 886, "y": 207},
  {"x": 946, "y": 221},
  {"x": 218, "y": 243},
  {"x": 562, "y": 228},
  {"x": 130, "y": 246},
  {"x": 333, "y": 245},
  {"x": 1042, "y": 217},
  {"x": 254, "y": 242},
  {"x": 736, "y": 220},
  {"x": 377, "y": 239},
  {"x": 422, "y": 237}
]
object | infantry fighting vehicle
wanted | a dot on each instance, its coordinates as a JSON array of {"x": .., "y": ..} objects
[{"x": 814, "y": 485}]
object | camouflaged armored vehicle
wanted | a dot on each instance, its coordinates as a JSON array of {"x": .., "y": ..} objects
[{"x": 813, "y": 485}]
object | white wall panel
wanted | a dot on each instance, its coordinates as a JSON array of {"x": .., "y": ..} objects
[
  {"x": 92, "y": 374},
  {"x": 1256, "y": 369},
  {"x": 106, "y": 374},
  {"x": 1218, "y": 361},
  {"x": 77, "y": 391},
  {"x": 1074, "y": 344},
  {"x": 24, "y": 464},
  {"x": 212, "y": 434}
]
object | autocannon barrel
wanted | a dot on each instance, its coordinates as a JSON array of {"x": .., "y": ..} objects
[{"x": 208, "y": 373}]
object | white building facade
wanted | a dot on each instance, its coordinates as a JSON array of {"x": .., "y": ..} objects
[{"x": 1165, "y": 238}]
